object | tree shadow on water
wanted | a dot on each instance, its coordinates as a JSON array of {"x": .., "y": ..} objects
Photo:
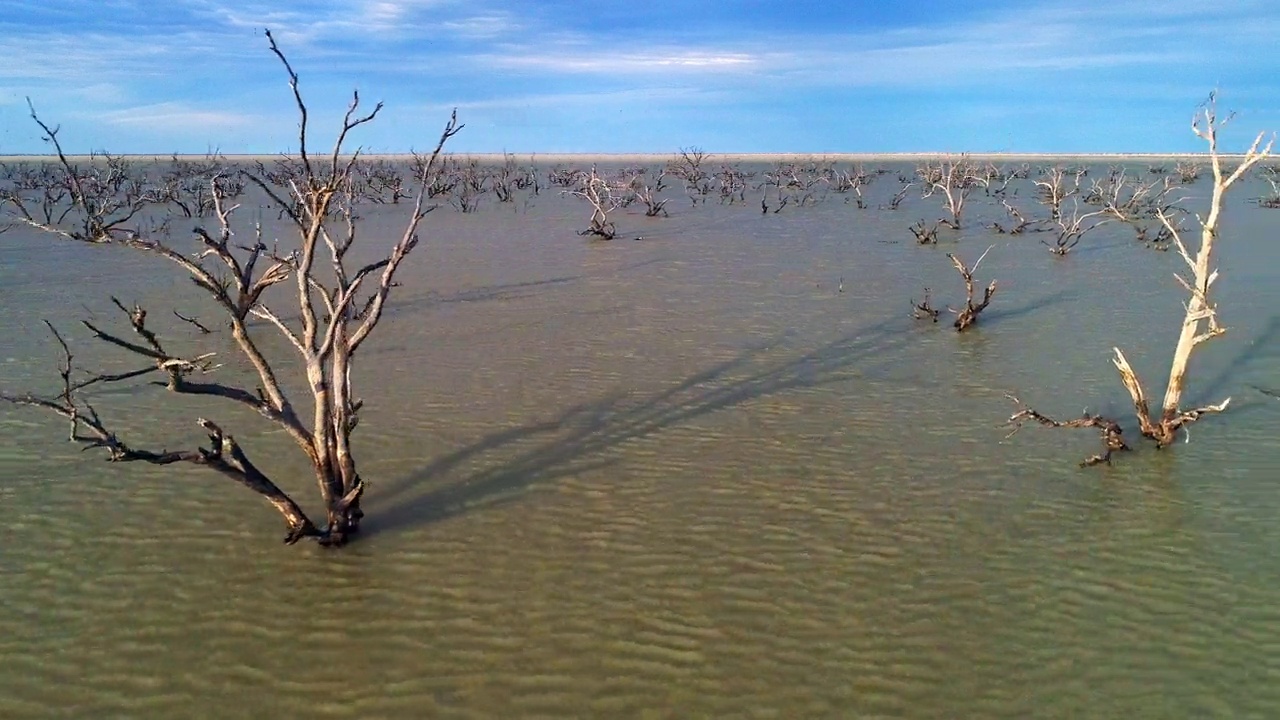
[
  {"x": 503, "y": 465},
  {"x": 487, "y": 293},
  {"x": 1262, "y": 350}
]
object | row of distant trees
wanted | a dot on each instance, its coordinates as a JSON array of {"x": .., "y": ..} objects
[{"x": 335, "y": 303}]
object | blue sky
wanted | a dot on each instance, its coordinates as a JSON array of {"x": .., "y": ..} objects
[{"x": 136, "y": 76}]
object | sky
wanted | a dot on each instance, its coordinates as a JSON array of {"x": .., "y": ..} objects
[{"x": 558, "y": 76}]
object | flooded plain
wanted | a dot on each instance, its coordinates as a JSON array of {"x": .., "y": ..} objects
[{"x": 717, "y": 471}]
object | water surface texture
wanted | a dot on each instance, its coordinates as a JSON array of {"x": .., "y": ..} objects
[{"x": 715, "y": 472}]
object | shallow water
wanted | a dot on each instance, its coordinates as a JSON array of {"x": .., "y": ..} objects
[{"x": 682, "y": 476}]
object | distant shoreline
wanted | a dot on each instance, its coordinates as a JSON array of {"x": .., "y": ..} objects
[{"x": 710, "y": 156}]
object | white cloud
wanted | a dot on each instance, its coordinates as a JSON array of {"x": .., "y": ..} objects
[
  {"x": 180, "y": 117},
  {"x": 574, "y": 60}
]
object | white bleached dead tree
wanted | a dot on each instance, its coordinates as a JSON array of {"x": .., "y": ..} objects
[
  {"x": 1200, "y": 323},
  {"x": 339, "y": 305}
]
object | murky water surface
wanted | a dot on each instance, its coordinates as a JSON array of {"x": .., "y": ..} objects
[{"x": 680, "y": 476}]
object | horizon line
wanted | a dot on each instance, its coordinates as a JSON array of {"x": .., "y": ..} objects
[{"x": 742, "y": 156}]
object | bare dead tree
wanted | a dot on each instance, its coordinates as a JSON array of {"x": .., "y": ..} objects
[
  {"x": 1020, "y": 222},
  {"x": 1188, "y": 172},
  {"x": 105, "y": 191},
  {"x": 648, "y": 193},
  {"x": 1138, "y": 205},
  {"x": 687, "y": 166},
  {"x": 967, "y": 316},
  {"x": 898, "y": 197},
  {"x": 924, "y": 310},
  {"x": 733, "y": 182},
  {"x": 1200, "y": 323},
  {"x": 955, "y": 179},
  {"x": 1056, "y": 188},
  {"x": 1270, "y": 174},
  {"x": 600, "y": 194},
  {"x": 1071, "y": 228},
  {"x": 334, "y": 318},
  {"x": 925, "y": 234}
]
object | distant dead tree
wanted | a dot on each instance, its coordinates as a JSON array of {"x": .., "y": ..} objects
[
  {"x": 648, "y": 192},
  {"x": 600, "y": 194},
  {"x": 1199, "y": 325},
  {"x": 1020, "y": 223},
  {"x": 896, "y": 201},
  {"x": 954, "y": 179},
  {"x": 339, "y": 305},
  {"x": 733, "y": 183},
  {"x": 1138, "y": 205},
  {"x": 1071, "y": 228},
  {"x": 687, "y": 165},
  {"x": 107, "y": 186},
  {"x": 1055, "y": 188},
  {"x": 1270, "y": 174},
  {"x": 925, "y": 234},
  {"x": 924, "y": 310},
  {"x": 1187, "y": 171}
]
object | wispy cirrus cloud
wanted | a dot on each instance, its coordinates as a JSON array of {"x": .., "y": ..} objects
[
  {"x": 761, "y": 70},
  {"x": 168, "y": 115},
  {"x": 655, "y": 60}
]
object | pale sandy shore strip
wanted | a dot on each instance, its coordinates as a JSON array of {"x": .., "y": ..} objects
[{"x": 710, "y": 157}]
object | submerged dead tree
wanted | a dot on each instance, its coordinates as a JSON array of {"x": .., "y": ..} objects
[
  {"x": 967, "y": 315},
  {"x": 599, "y": 193},
  {"x": 1200, "y": 323},
  {"x": 338, "y": 306}
]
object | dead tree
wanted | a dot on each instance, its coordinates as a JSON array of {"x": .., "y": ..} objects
[
  {"x": 954, "y": 178},
  {"x": 1188, "y": 172},
  {"x": 1054, "y": 189},
  {"x": 967, "y": 316},
  {"x": 1271, "y": 175},
  {"x": 336, "y": 312},
  {"x": 924, "y": 310},
  {"x": 898, "y": 197},
  {"x": 688, "y": 167},
  {"x": 1137, "y": 204},
  {"x": 646, "y": 192},
  {"x": 925, "y": 234},
  {"x": 1020, "y": 222},
  {"x": 1071, "y": 228},
  {"x": 597, "y": 191},
  {"x": 1200, "y": 323}
]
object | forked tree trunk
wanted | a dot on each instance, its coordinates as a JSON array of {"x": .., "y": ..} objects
[{"x": 1199, "y": 324}]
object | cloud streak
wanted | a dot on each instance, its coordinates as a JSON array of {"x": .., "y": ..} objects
[{"x": 190, "y": 65}]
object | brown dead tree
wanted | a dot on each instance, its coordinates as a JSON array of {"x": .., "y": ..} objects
[
  {"x": 1020, "y": 222},
  {"x": 967, "y": 316},
  {"x": 1200, "y": 323},
  {"x": 338, "y": 307},
  {"x": 925, "y": 234},
  {"x": 924, "y": 310}
]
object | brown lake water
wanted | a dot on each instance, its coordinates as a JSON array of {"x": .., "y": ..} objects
[{"x": 682, "y": 476}]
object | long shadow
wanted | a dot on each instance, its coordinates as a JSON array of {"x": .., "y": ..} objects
[
  {"x": 1001, "y": 313},
  {"x": 1264, "y": 348},
  {"x": 581, "y": 438},
  {"x": 488, "y": 293}
]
